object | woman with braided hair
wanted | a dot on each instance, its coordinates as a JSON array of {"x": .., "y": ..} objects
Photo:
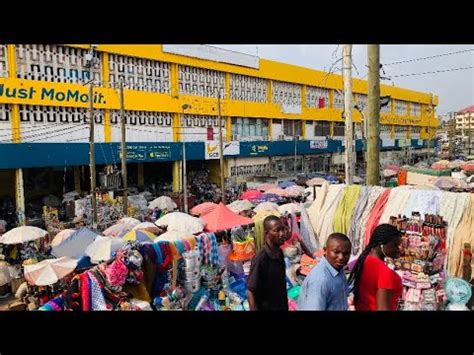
[{"x": 376, "y": 286}]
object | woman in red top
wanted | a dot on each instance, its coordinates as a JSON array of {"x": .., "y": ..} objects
[{"x": 376, "y": 286}]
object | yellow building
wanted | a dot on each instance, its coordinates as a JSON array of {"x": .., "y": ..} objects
[{"x": 171, "y": 95}]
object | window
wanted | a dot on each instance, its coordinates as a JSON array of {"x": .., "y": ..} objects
[
  {"x": 339, "y": 129},
  {"x": 401, "y": 108},
  {"x": 415, "y": 109},
  {"x": 200, "y": 81},
  {"x": 139, "y": 73},
  {"x": 338, "y": 100},
  {"x": 290, "y": 125},
  {"x": 322, "y": 128},
  {"x": 317, "y": 97},
  {"x": 286, "y": 93},
  {"x": 3, "y": 60},
  {"x": 248, "y": 88}
]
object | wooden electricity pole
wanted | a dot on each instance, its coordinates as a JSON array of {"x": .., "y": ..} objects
[
  {"x": 373, "y": 115},
  {"x": 348, "y": 131}
]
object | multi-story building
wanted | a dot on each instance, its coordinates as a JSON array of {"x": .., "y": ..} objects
[
  {"x": 465, "y": 126},
  {"x": 271, "y": 114}
]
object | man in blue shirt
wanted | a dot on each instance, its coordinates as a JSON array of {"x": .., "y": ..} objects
[{"x": 326, "y": 287}]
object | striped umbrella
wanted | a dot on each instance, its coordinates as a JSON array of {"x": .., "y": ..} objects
[{"x": 139, "y": 235}]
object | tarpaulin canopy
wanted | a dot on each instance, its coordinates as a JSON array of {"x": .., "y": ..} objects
[{"x": 223, "y": 218}]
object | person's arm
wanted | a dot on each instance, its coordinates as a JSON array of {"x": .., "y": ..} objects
[
  {"x": 253, "y": 283},
  {"x": 252, "y": 301},
  {"x": 314, "y": 297},
  {"x": 383, "y": 298}
]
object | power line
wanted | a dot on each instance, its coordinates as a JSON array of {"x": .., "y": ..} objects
[
  {"x": 430, "y": 57},
  {"x": 433, "y": 72}
]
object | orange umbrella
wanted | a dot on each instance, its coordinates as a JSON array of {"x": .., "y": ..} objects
[
  {"x": 222, "y": 218},
  {"x": 203, "y": 208}
]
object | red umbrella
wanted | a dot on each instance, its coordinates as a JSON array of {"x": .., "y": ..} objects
[
  {"x": 250, "y": 195},
  {"x": 221, "y": 218},
  {"x": 203, "y": 208}
]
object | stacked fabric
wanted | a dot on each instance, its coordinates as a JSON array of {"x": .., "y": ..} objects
[{"x": 342, "y": 217}]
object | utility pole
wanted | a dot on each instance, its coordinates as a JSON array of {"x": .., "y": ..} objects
[
  {"x": 373, "y": 115},
  {"x": 294, "y": 139},
  {"x": 470, "y": 130},
  {"x": 185, "y": 173},
  {"x": 92, "y": 153},
  {"x": 221, "y": 148},
  {"x": 123, "y": 148},
  {"x": 348, "y": 134}
]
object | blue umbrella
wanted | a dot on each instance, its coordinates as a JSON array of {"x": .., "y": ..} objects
[
  {"x": 286, "y": 184},
  {"x": 269, "y": 198},
  {"x": 331, "y": 178},
  {"x": 84, "y": 263},
  {"x": 75, "y": 246}
]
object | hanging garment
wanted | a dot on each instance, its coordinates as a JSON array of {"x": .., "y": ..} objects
[
  {"x": 314, "y": 211},
  {"x": 97, "y": 297},
  {"x": 375, "y": 214},
  {"x": 452, "y": 207},
  {"x": 464, "y": 234},
  {"x": 374, "y": 194},
  {"x": 307, "y": 235},
  {"x": 324, "y": 225},
  {"x": 424, "y": 201},
  {"x": 395, "y": 203},
  {"x": 359, "y": 208},
  {"x": 342, "y": 216}
]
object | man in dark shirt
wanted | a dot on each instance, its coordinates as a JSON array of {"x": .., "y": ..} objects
[{"x": 267, "y": 279}]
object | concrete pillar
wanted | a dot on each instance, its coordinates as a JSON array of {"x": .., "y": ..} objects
[
  {"x": 141, "y": 177},
  {"x": 177, "y": 176},
  {"x": 77, "y": 179}
]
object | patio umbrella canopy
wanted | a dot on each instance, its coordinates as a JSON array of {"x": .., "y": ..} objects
[
  {"x": 117, "y": 230},
  {"x": 203, "y": 208},
  {"x": 147, "y": 226},
  {"x": 294, "y": 191},
  {"x": 240, "y": 205},
  {"x": 102, "y": 248},
  {"x": 277, "y": 191},
  {"x": 139, "y": 236},
  {"x": 163, "y": 203},
  {"x": 250, "y": 195},
  {"x": 389, "y": 172},
  {"x": 266, "y": 187},
  {"x": 171, "y": 236},
  {"x": 286, "y": 184},
  {"x": 446, "y": 183},
  {"x": 20, "y": 235},
  {"x": 317, "y": 181},
  {"x": 62, "y": 236},
  {"x": 266, "y": 206},
  {"x": 222, "y": 218},
  {"x": 290, "y": 208},
  {"x": 181, "y": 222},
  {"x": 268, "y": 197},
  {"x": 76, "y": 245},
  {"x": 49, "y": 271}
]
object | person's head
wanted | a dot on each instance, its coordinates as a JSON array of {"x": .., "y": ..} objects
[
  {"x": 385, "y": 242},
  {"x": 274, "y": 231},
  {"x": 338, "y": 250}
]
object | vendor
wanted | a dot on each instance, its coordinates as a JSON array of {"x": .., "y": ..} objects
[
  {"x": 79, "y": 222},
  {"x": 376, "y": 286},
  {"x": 267, "y": 280}
]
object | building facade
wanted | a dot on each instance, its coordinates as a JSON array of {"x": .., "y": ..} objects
[{"x": 269, "y": 111}]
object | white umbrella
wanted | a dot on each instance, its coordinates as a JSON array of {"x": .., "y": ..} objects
[
  {"x": 389, "y": 172},
  {"x": 294, "y": 190},
  {"x": 181, "y": 222},
  {"x": 163, "y": 203},
  {"x": 102, "y": 248},
  {"x": 49, "y": 271},
  {"x": 317, "y": 181},
  {"x": 240, "y": 205},
  {"x": 289, "y": 207},
  {"x": 129, "y": 221},
  {"x": 117, "y": 230},
  {"x": 20, "y": 235},
  {"x": 147, "y": 226},
  {"x": 266, "y": 206},
  {"x": 62, "y": 236},
  {"x": 171, "y": 236}
]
